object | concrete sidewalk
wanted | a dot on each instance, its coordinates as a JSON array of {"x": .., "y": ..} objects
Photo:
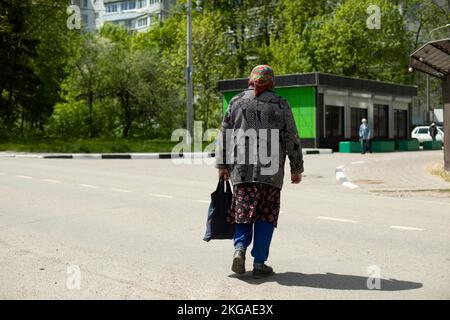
[{"x": 396, "y": 171}]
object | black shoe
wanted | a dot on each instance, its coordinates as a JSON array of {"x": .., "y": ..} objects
[
  {"x": 238, "y": 265},
  {"x": 262, "y": 272}
]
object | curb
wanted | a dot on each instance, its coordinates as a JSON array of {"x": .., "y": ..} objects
[
  {"x": 317, "y": 151},
  {"x": 342, "y": 179},
  {"x": 130, "y": 156},
  {"x": 135, "y": 156}
]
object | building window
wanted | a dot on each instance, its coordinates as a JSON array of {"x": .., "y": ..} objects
[
  {"x": 356, "y": 115},
  {"x": 85, "y": 19},
  {"x": 127, "y": 24},
  {"x": 128, "y": 5},
  {"x": 380, "y": 121},
  {"x": 85, "y": 3},
  {"x": 142, "y": 3},
  {"x": 142, "y": 22},
  {"x": 111, "y": 7},
  {"x": 334, "y": 121},
  {"x": 97, "y": 15},
  {"x": 401, "y": 124}
]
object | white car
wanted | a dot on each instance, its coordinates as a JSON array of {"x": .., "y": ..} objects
[{"x": 422, "y": 134}]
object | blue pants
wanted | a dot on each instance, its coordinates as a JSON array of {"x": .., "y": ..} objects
[
  {"x": 263, "y": 236},
  {"x": 366, "y": 145}
]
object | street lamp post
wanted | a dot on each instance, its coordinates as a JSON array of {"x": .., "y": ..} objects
[{"x": 189, "y": 87}]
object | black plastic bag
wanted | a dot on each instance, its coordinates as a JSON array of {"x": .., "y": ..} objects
[{"x": 217, "y": 226}]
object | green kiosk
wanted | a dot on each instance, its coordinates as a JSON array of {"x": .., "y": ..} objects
[{"x": 328, "y": 109}]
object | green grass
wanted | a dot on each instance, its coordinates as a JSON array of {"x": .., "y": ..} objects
[{"x": 87, "y": 145}]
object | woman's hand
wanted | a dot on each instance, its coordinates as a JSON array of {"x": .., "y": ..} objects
[
  {"x": 225, "y": 174},
  {"x": 296, "y": 178}
]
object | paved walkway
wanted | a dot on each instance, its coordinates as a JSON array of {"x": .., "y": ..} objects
[{"x": 396, "y": 171}]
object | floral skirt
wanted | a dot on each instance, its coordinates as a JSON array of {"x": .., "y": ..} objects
[{"x": 254, "y": 202}]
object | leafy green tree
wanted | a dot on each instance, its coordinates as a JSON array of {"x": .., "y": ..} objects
[
  {"x": 134, "y": 77},
  {"x": 290, "y": 49},
  {"x": 344, "y": 44},
  {"x": 17, "y": 79},
  {"x": 86, "y": 72},
  {"x": 210, "y": 59},
  {"x": 35, "y": 45},
  {"x": 211, "y": 65}
]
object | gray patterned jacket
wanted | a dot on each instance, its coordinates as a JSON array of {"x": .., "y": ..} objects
[{"x": 256, "y": 135}]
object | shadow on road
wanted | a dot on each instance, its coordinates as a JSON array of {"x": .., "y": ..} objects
[{"x": 328, "y": 281}]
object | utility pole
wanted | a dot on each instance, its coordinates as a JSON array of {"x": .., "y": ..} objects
[
  {"x": 428, "y": 99},
  {"x": 189, "y": 87}
]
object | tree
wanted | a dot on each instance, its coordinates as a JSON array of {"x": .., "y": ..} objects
[
  {"x": 295, "y": 21},
  {"x": 210, "y": 66},
  {"x": 87, "y": 70},
  {"x": 132, "y": 76},
  {"x": 17, "y": 48},
  {"x": 35, "y": 45},
  {"x": 344, "y": 44}
]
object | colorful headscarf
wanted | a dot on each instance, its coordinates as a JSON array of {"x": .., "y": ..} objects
[{"x": 261, "y": 78}]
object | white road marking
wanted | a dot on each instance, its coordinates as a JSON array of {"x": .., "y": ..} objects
[
  {"x": 350, "y": 185},
  {"x": 51, "y": 180},
  {"x": 24, "y": 177},
  {"x": 203, "y": 201},
  {"x": 407, "y": 228},
  {"x": 121, "y": 190},
  {"x": 162, "y": 196},
  {"x": 337, "y": 219},
  {"x": 87, "y": 186},
  {"x": 358, "y": 162},
  {"x": 341, "y": 167}
]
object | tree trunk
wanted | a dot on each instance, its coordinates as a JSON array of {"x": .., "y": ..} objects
[
  {"x": 90, "y": 103},
  {"x": 8, "y": 107},
  {"x": 128, "y": 117},
  {"x": 22, "y": 121}
]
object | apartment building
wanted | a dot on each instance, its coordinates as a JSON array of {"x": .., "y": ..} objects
[
  {"x": 91, "y": 13},
  {"x": 135, "y": 15}
]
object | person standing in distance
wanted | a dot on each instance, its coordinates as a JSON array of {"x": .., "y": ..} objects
[
  {"x": 365, "y": 136},
  {"x": 433, "y": 131}
]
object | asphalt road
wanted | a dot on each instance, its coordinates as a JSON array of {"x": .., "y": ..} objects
[{"x": 134, "y": 229}]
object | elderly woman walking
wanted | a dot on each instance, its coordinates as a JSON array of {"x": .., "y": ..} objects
[{"x": 258, "y": 122}]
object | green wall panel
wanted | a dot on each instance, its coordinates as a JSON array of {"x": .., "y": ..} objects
[
  {"x": 303, "y": 103},
  {"x": 408, "y": 145},
  {"x": 349, "y": 146},
  {"x": 432, "y": 145},
  {"x": 383, "y": 146}
]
